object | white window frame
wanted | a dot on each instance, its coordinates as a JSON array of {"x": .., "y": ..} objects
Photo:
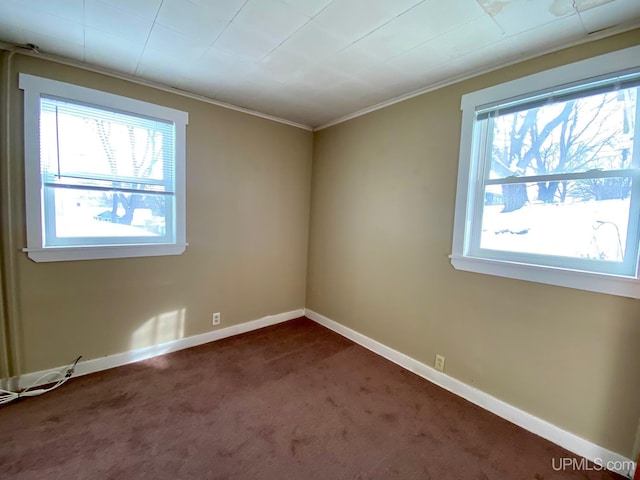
[
  {"x": 34, "y": 88},
  {"x": 467, "y": 198}
]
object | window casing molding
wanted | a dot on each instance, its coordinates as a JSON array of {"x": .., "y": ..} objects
[
  {"x": 172, "y": 243},
  {"x": 465, "y": 254}
]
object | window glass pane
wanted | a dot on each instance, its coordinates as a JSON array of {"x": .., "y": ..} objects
[
  {"x": 89, "y": 213},
  {"x": 593, "y": 132},
  {"x": 579, "y": 219},
  {"x": 78, "y": 140}
]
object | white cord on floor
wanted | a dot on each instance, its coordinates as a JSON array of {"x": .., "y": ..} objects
[{"x": 7, "y": 396}]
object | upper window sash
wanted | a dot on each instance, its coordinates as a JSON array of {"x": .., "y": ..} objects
[{"x": 62, "y": 117}]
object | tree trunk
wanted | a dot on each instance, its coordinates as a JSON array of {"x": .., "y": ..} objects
[
  {"x": 129, "y": 208},
  {"x": 547, "y": 191},
  {"x": 514, "y": 196},
  {"x": 114, "y": 208}
]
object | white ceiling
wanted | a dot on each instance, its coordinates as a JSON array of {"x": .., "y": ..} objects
[{"x": 307, "y": 61}]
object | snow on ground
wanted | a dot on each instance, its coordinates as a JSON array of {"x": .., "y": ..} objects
[
  {"x": 89, "y": 227},
  {"x": 588, "y": 229}
]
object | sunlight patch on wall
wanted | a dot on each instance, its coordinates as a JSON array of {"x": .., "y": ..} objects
[{"x": 162, "y": 328}]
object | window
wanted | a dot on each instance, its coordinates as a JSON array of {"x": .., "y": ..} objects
[
  {"x": 104, "y": 174},
  {"x": 549, "y": 177}
]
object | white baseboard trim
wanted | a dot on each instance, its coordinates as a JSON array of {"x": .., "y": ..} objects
[
  {"x": 595, "y": 453},
  {"x": 110, "y": 361}
]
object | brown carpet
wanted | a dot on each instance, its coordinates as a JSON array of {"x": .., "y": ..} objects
[{"x": 292, "y": 401}]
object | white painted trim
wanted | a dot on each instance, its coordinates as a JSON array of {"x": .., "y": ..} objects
[
  {"x": 557, "y": 78},
  {"x": 106, "y": 100},
  {"x": 95, "y": 252},
  {"x": 152, "y": 84},
  {"x": 531, "y": 423},
  {"x": 475, "y": 73},
  {"x": 636, "y": 446},
  {"x": 562, "y": 277},
  {"x": 110, "y": 361}
]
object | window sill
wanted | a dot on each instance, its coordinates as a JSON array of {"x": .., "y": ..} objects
[
  {"x": 63, "y": 254},
  {"x": 593, "y": 282}
]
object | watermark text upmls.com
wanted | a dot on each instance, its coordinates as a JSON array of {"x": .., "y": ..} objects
[{"x": 582, "y": 464}]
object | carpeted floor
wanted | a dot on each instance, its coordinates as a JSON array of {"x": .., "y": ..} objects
[{"x": 292, "y": 401}]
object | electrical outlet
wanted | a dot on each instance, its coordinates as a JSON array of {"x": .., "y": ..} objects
[
  {"x": 439, "y": 364},
  {"x": 216, "y": 319}
]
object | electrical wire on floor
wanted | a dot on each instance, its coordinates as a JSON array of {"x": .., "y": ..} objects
[{"x": 7, "y": 396}]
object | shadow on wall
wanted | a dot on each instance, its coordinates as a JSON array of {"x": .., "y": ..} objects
[
  {"x": 636, "y": 448},
  {"x": 621, "y": 392}
]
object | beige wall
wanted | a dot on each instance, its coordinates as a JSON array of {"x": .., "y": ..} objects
[
  {"x": 248, "y": 182},
  {"x": 383, "y": 192}
]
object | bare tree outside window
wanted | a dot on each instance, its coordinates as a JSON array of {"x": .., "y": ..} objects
[
  {"x": 109, "y": 174},
  {"x": 577, "y": 135},
  {"x": 560, "y": 177},
  {"x": 145, "y": 150}
]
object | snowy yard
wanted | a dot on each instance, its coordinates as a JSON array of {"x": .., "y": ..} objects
[
  {"x": 78, "y": 213},
  {"x": 588, "y": 229}
]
